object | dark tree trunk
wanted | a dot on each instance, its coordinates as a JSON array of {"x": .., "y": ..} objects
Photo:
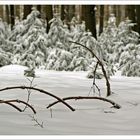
[
  {"x": 27, "y": 10},
  {"x": 12, "y": 16},
  {"x": 88, "y": 15},
  {"x": 130, "y": 11},
  {"x": 114, "y": 10},
  {"x": 1, "y": 11},
  {"x": 17, "y": 10},
  {"x": 49, "y": 16},
  {"x": 62, "y": 12},
  {"x": 8, "y": 14},
  {"x": 138, "y": 18},
  {"x": 101, "y": 19},
  {"x": 67, "y": 12},
  {"x": 118, "y": 14},
  {"x": 39, "y": 8},
  {"x": 71, "y": 12}
]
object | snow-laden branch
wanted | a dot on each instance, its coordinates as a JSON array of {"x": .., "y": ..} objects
[
  {"x": 40, "y": 90},
  {"x": 115, "y": 105},
  {"x": 100, "y": 63}
]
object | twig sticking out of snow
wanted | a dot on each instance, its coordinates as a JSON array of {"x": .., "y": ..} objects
[
  {"x": 94, "y": 82},
  {"x": 29, "y": 92},
  {"x": 36, "y": 121},
  {"x": 132, "y": 103},
  {"x": 115, "y": 105}
]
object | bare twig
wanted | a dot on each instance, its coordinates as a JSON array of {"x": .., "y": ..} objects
[
  {"x": 36, "y": 121},
  {"x": 42, "y": 91},
  {"x": 18, "y": 101},
  {"x": 51, "y": 112},
  {"x": 134, "y": 104},
  {"x": 115, "y": 105},
  {"x": 101, "y": 64},
  {"x": 109, "y": 111},
  {"x": 29, "y": 92},
  {"x": 94, "y": 83},
  {"x": 14, "y": 106}
]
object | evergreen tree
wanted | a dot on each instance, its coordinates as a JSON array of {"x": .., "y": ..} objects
[
  {"x": 5, "y": 44},
  {"x": 107, "y": 41},
  {"x": 129, "y": 61},
  {"x": 31, "y": 41},
  {"x": 58, "y": 39}
]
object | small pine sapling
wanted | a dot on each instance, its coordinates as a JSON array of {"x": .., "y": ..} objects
[{"x": 129, "y": 62}]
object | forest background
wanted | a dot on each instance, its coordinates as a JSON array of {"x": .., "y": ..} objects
[{"x": 39, "y": 36}]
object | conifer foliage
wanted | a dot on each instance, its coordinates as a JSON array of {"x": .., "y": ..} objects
[{"x": 28, "y": 44}]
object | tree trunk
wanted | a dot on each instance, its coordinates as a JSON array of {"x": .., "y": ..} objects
[
  {"x": 101, "y": 23},
  {"x": 48, "y": 16},
  {"x": 114, "y": 10},
  {"x": 1, "y": 11},
  {"x": 106, "y": 14},
  {"x": 39, "y": 8},
  {"x": 12, "y": 16},
  {"x": 62, "y": 12},
  {"x": 122, "y": 12},
  {"x": 8, "y": 14},
  {"x": 17, "y": 10},
  {"x": 67, "y": 13},
  {"x": 138, "y": 18},
  {"x": 27, "y": 10},
  {"x": 88, "y": 15},
  {"x": 131, "y": 14},
  {"x": 71, "y": 11}
]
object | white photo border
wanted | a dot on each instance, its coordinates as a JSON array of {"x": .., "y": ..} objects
[{"x": 70, "y": 137}]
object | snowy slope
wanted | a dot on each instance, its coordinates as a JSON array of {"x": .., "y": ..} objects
[{"x": 92, "y": 117}]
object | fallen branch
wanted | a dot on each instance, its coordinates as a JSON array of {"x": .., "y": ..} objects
[
  {"x": 19, "y": 101},
  {"x": 14, "y": 106},
  {"x": 100, "y": 63},
  {"x": 40, "y": 90},
  {"x": 115, "y": 105}
]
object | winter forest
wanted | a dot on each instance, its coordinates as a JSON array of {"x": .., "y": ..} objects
[
  {"x": 40, "y": 37},
  {"x": 85, "y": 58}
]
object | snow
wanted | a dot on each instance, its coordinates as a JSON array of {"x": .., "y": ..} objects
[
  {"x": 92, "y": 117},
  {"x": 13, "y": 69}
]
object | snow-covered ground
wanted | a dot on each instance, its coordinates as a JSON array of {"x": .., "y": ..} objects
[{"x": 92, "y": 117}]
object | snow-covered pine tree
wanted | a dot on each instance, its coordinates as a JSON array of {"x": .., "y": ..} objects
[
  {"x": 120, "y": 48},
  {"x": 82, "y": 58},
  {"x": 31, "y": 41},
  {"x": 107, "y": 41},
  {"x": 58, "y": 39},
  {"x": 5, "y": 44},
  {"x": 129, "y": 50}
]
